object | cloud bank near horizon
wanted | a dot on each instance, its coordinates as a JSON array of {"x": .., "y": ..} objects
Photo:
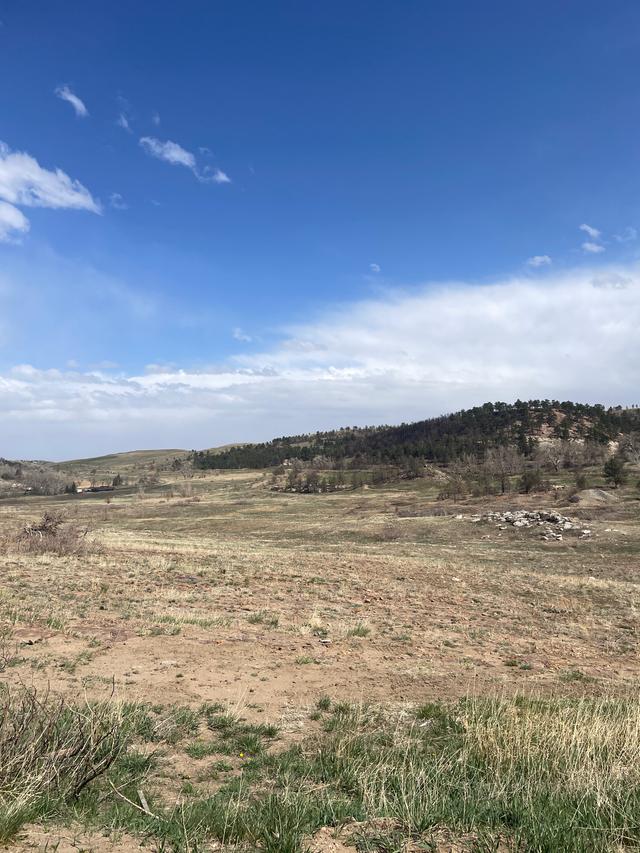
[{"x": 404, "y": 355}]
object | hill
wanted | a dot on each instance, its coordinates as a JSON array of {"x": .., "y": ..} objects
[
  {"x": 129, "y": 462},
  {"x": 443, "y": 439}
]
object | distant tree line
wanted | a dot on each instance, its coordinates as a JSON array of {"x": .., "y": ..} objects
[{"x": 444, "y": 440}]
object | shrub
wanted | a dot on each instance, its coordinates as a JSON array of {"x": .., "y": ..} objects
[
  {"x": 582, "y": 481},
  {"x": 531, "y": 481},
  {"x": 54, "y": 535},
  {"x": 615, "y": 471},
  {"x": 50, "y": 752}
]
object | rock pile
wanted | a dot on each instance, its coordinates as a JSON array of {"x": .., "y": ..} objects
[{"x": 552, "y": 524}]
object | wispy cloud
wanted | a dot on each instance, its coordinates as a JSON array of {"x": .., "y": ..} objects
[
  {"x": 214, "y": 176},
  {"x": 124, "y": 113},
  {"x": 400, "y": 357},
  {"x": 627, "y": 235},
  {"x": 539, "y": 261},
  {"x": 155, "y": 118},
  {"x": 592, "y": 232},
  {"x": 176, "y": 155},
  {"x": 592, "y": 248},
  {"x": 13, "y": 223},
  {"x": 117, "y": 202},
  {"x": 168, "y": 151},
  {"x": 65, "y": 94},
  {"x": 239, "y": 335},
  {"x": 25, "y": 183},
  {"x": 375, "y": 268}
]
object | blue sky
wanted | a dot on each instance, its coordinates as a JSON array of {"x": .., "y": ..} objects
[{"x": 273, "y": 216}]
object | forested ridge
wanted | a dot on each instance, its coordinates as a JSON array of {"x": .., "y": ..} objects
[{"x": 443, "y": 439}]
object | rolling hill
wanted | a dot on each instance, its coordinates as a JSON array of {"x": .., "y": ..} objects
[{"x": 442, "y": 439}]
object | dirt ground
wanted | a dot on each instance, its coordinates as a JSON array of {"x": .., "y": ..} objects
[{"x": 218, "y": 589}]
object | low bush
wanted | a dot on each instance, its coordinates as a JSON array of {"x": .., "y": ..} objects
[
  {"x": 53, "y": 534},
  {"x": 50, "y": 752}
]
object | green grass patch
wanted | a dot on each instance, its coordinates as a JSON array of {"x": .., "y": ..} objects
[
  {"x": 262, "y": 617},
  {"x": 543, "y": 775},
  {"x": 359, "y": 630}
]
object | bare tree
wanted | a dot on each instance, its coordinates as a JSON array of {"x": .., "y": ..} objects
[
  {"x": 44, "y": 481},
  {"x": 551, "y": 454},
  {"x": 630, "y": 448},
  {"x": 503, "y": 462}
]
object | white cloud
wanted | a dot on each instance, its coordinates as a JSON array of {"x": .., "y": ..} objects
[
  {"x": 402, "y": 357},
  {"x": 628, "y": 234},
  {"x": 216, "y": 176},
  {"x": 239, "y": 335},
  {"x": 592, "y": 232},
  {"x": 25, "y": 183},
  {"x": 65, "y": 93},
  {"x": 374, "y": 268},
  {"x": 13, "y": 223},
  {"x": 539, "y": 261},
  {"x": 592, "y": 248},
  {"x": 117, "y": 202},
  {"x": 612, "y": 281},
  {"x": 176, "y": 155},
  {"x": 168, "y": 151},
  {"x": 123, "y": 122}
]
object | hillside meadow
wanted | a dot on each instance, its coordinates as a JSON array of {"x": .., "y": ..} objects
[{"x": 237, "y": 668}]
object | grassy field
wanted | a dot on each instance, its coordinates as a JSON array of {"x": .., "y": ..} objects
[
  {"x": 130, "y": 463},
  {"x": 372, "y": 670}
]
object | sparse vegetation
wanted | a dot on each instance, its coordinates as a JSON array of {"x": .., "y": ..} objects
[
  {"x": 536, "y": 774},
  {"x": 250, "y": 619}
]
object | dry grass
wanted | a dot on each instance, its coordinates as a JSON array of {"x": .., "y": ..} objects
[{"x": 221, "y": 595}]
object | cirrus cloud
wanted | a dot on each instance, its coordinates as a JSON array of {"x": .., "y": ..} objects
[
  {"x": 65, "y": 94},
  {"x": 168, "y": 151},
  {"x": 176, "y": 155}
]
